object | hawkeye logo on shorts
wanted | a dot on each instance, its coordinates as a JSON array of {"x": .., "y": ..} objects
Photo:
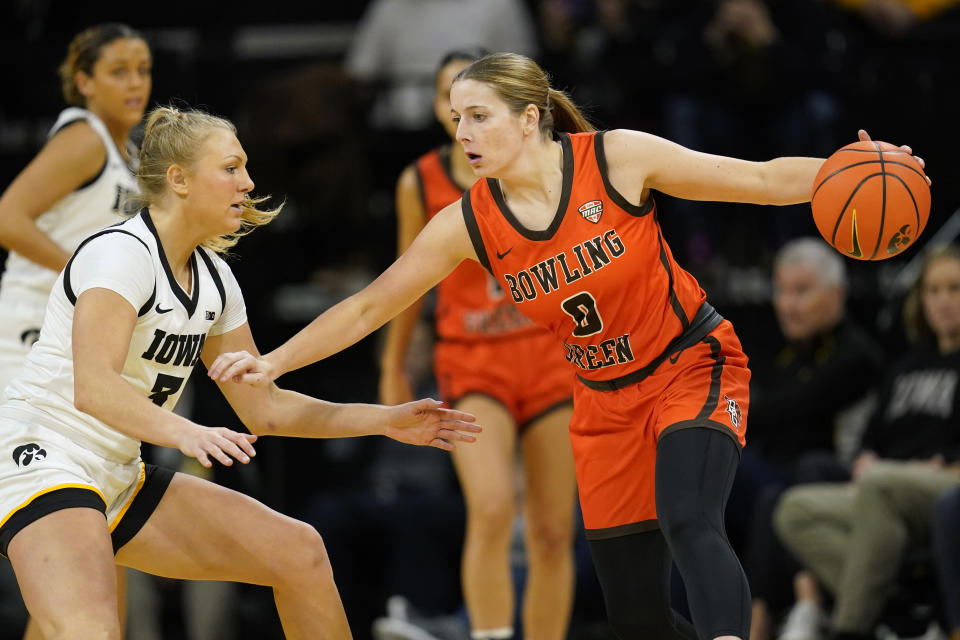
[
  {"x": 591, "y": 210},
  {"x": 733, "y": 409},
  {"x": 27, "y": 453}
]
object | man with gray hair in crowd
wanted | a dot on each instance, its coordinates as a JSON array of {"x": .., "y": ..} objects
[{"x": 799, "y": 392}]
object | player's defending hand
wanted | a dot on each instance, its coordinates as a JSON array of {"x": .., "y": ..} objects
[
  {"x": 243, "y": 367},
  {"x": 219, "y": 443},
  {"x": 427, "y": 423}
]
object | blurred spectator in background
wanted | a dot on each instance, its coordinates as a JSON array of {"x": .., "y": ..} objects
[
  {"x": 398, "y": 43},
  {"x": 855, "y": 536},
  {"x": 799, "y": 394}
]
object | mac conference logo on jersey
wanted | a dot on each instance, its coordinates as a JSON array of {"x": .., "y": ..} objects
[
  {"x": 27, "y": 453},
  {"x": 591, "y": 210}
]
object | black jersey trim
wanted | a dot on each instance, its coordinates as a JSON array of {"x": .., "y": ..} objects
[
  {"x": 157, "y": 479},
  {"x": 189, "y": 302},
  {"x": 621, "y": 530},
  {"x": 637, "y": 210},
  {"x": 215, "y": 275},
  {"x": 678, "y": 309},
  {"x": 68, "y": 289},
  {"x": 470, "y": 218},
  {"x": 549, "y": 232},
  {"x": 44, "y": 505}
]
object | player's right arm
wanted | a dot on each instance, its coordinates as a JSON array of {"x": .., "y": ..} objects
[
  {"x": 103, "y": 323},
  {"x": 442, "y": 245},
  {"x": 70, "y": 159},
  {"x": 395, "y": 385}
]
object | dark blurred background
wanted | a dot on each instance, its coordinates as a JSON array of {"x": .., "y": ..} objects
[{"x": 328, "y": 99}]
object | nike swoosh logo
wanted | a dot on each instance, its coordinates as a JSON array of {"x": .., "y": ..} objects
[
  {"x": 501, "y": 256},
  {"x": 159, "y": 310}
]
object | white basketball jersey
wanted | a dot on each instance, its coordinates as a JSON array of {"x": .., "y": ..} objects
[
  {"x": 93, "y": 206},
  {"x": 172, "y": 326}
]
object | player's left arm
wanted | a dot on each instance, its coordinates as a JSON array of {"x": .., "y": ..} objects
[
  {"x": 673, "y": 169},
  {"x": 270, "y": 410}
]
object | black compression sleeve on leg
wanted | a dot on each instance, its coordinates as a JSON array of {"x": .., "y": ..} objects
[
  {"x": 634, "y": 573},
  {"x": 695, "y": 471}
]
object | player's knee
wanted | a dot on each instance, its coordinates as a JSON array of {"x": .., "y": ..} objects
[
  {"x": 683, "y": 521},
  {"x": 305, "y": 556},
  {"x": 549, "y": 541},
  {"x": 492, "y": 514}
]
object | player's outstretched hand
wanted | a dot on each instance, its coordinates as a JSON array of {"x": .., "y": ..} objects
[
  {"x": 865, "y": 137},
  {"x": 427, "y": 423},
  {"x": 243, "y": 367},
  {"x": 219, "y": 443}
]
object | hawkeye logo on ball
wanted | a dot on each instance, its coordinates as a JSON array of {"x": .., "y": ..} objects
[{"x": 591, "y": 210}]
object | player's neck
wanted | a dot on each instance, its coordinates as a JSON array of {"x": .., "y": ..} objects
[
  {"x": 177, "y": 238},
  {"x": 119, "y": 132},
  {"x": 536, "y": 175}
]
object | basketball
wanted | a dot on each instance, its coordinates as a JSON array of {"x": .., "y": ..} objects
[{"x": 870, "y": 200}]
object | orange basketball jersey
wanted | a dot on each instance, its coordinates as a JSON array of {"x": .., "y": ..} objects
[
  {"x": 600, "y": 277},
  {"x": 470, "y": 303}
]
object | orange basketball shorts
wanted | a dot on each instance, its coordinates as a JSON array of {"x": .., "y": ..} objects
[
  {"x": 527, "y": 374},
  {"x": 615, "y": 433}
]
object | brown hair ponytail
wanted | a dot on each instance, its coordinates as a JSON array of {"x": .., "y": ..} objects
[
  {"x": 519, "y": 81},
  {"x": 566, "y": 115}
]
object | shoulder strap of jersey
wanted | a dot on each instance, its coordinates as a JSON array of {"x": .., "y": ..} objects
[
  {"x": 618, "y": 199},
  {"x": 68, "y": 290},
  {"x": 72, "y": 115},
  {"x": 215, "y": 275},
  {"x": 470, "y": 218}
]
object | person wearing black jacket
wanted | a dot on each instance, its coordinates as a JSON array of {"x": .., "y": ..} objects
[{"x": 853, "y": 536}]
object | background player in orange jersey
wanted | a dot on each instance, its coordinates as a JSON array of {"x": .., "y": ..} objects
[
  {"x": 567, "y": 223},
  {"x": 493, "y": 362}
]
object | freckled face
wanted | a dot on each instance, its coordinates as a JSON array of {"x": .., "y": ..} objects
[
  {"x": 490, "y": 133},
  {"x": 119, "y": 85},
  {"x": 218, "y": 183}
]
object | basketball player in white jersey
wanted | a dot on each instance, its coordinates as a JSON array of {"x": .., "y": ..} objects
[
  {"x": 136, "y": 306},
  {"x": 77, "y": 184}
]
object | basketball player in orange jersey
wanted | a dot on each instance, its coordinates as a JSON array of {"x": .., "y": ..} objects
[
  {"x": 493, "y": 362},
  {"x": 568, "y": 225}
]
